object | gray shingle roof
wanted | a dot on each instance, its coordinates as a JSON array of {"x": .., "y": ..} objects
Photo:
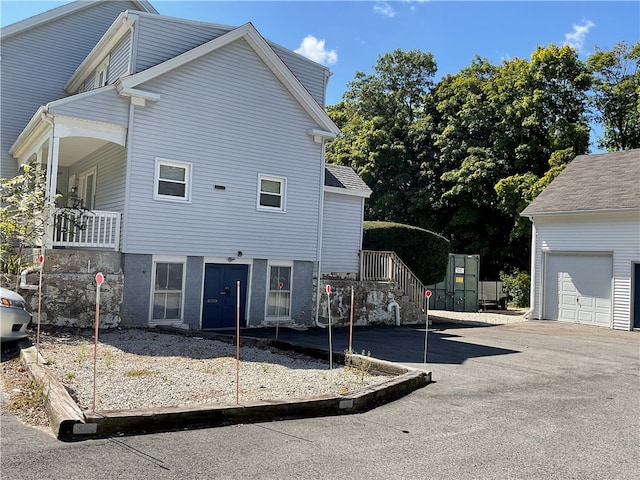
[
  {"x": 606, "y": 181},
  {"x": 344, "y": 177}
]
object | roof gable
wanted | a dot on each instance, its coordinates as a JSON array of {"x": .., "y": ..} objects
[
  {"x": 248, "y": 33},
  {"x": 601, "y": 182},
  {"x": 64, "y": 10}
]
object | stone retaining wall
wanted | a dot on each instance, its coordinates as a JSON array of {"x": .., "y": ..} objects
[
  {"x": 371, "y": 303},
  {"x": 69, "y": 288}
]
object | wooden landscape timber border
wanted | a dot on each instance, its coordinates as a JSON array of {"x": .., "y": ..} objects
[{"x": 69, "y": 422}]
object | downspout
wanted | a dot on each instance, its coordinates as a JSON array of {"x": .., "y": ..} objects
[
  {"x": 320, "y": 228},
  {"x": 390, "y": 306}
]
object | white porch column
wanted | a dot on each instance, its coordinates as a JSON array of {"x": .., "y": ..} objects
[{"x": 54, "y": 150}]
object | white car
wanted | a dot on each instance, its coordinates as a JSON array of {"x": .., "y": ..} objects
[{"x": 14, "y": 316}]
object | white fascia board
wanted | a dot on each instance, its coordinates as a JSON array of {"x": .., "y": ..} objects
[
  {"x": 44, "y": 17},
  {"x": 289, "y": 80},
  {"x": 22, "y": 142},
  {"x": 346, "y": 191},
  {"x": 116, "y": 32},
  {"x": 80, "y": 127},
  {"x": 30, "y": 139},
  {"x": 264, "y": 51},
  {"x": 145, "y": 6},
  {"x": 580, "y": 212},
  {"x": 79, "y": 96}
]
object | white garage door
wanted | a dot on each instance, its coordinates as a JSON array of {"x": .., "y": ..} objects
[{"x": 577, "y": 288}]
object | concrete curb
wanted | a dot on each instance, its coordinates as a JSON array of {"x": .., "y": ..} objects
[{"x": 69, "y": 422}]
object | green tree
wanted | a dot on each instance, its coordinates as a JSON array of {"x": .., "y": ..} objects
[
  {"x": 499, "y": 127},
  {"x": 385, "y": 137},
  {"x": 616, "y": 95},
  {"x": 22, "y": 215},
  {"x": 464, "y": 156}
]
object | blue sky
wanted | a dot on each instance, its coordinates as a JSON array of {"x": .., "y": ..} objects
[{"x": 349, "y": 36}]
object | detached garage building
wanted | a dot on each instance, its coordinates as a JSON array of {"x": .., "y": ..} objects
[{"x": 585, "y": 265}]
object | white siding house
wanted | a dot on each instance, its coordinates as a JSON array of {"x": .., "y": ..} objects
[
  {"x": 343, "y": 214},
  {"x": 586, "y": 243},
  {"x": 199, "y": 150}
]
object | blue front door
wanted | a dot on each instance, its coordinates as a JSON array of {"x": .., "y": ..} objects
[{"x": 220, "y": 285}]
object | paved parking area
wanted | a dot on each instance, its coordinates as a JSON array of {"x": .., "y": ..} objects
[{"x": 539, "y": 400}]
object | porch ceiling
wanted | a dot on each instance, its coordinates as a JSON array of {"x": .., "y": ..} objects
[{"x": 73, "y": 149}]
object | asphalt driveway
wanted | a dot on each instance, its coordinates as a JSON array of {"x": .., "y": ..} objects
[{"x": 526, "y": 400}]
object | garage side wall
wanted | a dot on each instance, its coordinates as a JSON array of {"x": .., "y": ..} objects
[{"x": 618, "y": 234}]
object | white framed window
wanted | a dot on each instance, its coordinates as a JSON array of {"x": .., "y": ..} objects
[
  {"x": 172, "y": 181},
  {"x": 102, "y": 73},
  {"x": 272, "y": 193},
  {"x": 168, "y": 290},
  {"x": 279, "y": 291}
]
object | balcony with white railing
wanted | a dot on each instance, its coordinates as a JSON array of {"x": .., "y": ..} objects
[{"x": 86, "y": 229}]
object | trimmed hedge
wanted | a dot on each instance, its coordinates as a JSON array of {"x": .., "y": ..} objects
[{"x": 424, "y": 252}]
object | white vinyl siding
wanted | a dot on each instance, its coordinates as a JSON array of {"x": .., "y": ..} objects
[
  {"x": 37, "y": 62},
  {"x": 618, "y": 233},
  {"x": 159, "y": 39},
  {"x": 341, "y": 233},
  {"x": 119, "y": 59},
  {"x": 222, "y": 113},
  {"x": 101, "y": 106},
  {"x": 110, "y": 163}
]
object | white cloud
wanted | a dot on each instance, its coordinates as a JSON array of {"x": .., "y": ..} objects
[
  {"x": 314, "y": 49},
  {"x": 384, "y": 9},
  {"x": 576, "y": 38}
]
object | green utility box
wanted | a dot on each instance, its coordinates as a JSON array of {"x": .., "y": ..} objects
[{"x": 459, "y": 290}]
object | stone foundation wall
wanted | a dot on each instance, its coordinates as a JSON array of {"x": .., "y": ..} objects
[
  {"x": 371, "y": 303},
  {"x": 69, "y": 288}
]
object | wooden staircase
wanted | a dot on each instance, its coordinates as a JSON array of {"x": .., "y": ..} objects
[{"x": 386, "y": 266}]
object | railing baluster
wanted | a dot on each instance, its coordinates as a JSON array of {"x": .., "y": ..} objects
[
  {"x": 388, "y": 267},
  {"x": 99, "y": 229}
]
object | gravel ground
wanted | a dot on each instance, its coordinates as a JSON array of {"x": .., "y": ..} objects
[{"x": 142, "y": 369}]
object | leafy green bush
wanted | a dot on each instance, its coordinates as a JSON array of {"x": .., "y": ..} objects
[
  {"x": 424, "y": 252},
  {"x": 517, "y": 286}
]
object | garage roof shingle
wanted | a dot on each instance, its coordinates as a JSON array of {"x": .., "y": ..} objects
[{"x": 607, "y": 181}]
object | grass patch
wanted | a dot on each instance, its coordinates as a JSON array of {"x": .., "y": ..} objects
[{"x": 33, "y": 397}]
